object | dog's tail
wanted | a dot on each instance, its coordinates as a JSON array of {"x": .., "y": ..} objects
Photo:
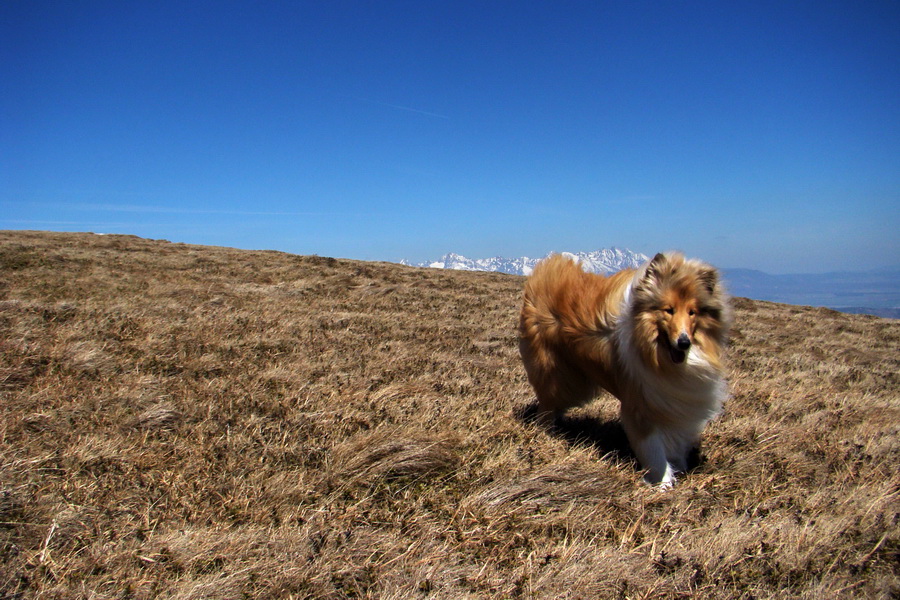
[
  {"x": 550, "y": 297},
  {"x": 561, "y": 299}
]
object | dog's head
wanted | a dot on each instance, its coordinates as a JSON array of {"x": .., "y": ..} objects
[{"x": 679, "y": 306}]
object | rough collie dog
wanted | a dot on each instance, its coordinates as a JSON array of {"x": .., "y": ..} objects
[{"x": 652, "y": 337}]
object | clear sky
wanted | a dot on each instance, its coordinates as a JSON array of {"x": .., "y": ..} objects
[{"x": 751, "y": 134}]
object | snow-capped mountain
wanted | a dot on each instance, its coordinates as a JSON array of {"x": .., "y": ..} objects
[
  {"x": 606, "y": 260},
  {"x": 871, "y": 292}
]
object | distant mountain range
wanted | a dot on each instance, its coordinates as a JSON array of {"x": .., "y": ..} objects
[
  {"x": 607, "y": 260},
  {"x": 869, "y": 292}
]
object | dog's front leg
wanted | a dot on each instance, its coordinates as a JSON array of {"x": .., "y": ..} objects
[{"x": 651, "y": 452}]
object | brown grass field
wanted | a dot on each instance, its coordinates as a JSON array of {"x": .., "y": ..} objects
[{"x": 193, "y": 422}]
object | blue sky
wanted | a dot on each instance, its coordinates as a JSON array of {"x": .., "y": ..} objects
[{"x": 751, "y": 134}]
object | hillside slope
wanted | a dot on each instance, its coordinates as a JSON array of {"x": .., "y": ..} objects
[{"x": 195, "y": 422}]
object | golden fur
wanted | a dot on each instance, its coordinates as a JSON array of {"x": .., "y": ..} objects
[{"x": 652, "y": 337}]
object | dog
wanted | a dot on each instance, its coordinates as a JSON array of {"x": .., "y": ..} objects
[{"x": 653, "y": 337}]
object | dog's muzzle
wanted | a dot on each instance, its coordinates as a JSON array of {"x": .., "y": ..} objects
[{"x": 678, "y": 351}]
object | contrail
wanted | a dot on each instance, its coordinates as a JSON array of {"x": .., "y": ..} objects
[
  {"x": 397, "y": 107},
  {"x": 413, "y": 110}
]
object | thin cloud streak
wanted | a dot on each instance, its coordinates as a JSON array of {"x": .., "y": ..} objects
[
  {"x": 414, "y": 110},
  {"x": 189, "y": 211},
  {"x": 405, "y": 108},
  {"x": 64, "y": 223},
  {"x": 138, "y": 208}
]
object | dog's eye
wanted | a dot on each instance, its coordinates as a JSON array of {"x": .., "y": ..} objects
[
  {"x": 669, "y": 310},
  {"x": 692, "y": 312}
]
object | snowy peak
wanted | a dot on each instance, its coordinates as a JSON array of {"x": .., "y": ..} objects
[
  {"x": 604, "y": 261},
  {"x": 608, "y": 260}
]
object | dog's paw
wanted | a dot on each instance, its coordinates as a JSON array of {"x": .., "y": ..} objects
[
  {"x": 665, "y": 486},
  {"x": 663, "y": 478}
]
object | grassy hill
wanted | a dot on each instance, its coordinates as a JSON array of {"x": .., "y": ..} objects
[{"x": 193, "y": 422}]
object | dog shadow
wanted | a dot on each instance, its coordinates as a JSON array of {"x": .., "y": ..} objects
[{"x": 607, "y": 437}]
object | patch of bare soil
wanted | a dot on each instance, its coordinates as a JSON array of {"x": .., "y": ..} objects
[{"x": 195, "y": 422}]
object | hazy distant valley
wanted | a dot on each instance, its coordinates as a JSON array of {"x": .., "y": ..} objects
[{"x": 870, "y": 292}]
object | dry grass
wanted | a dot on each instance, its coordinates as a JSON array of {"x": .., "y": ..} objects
[{"x": 186, "y": 422}]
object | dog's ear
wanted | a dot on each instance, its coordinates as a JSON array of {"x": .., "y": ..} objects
[
  {"x": 654, "y": 267},
  {"x": 709, "y": 278}
]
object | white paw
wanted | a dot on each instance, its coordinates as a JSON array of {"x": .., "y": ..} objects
[
  {"x": 664, "y": 483},
  {"x": 665, "y": 486}
]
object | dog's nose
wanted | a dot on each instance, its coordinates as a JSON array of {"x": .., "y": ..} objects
[{"x": 683, "y": 343}]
